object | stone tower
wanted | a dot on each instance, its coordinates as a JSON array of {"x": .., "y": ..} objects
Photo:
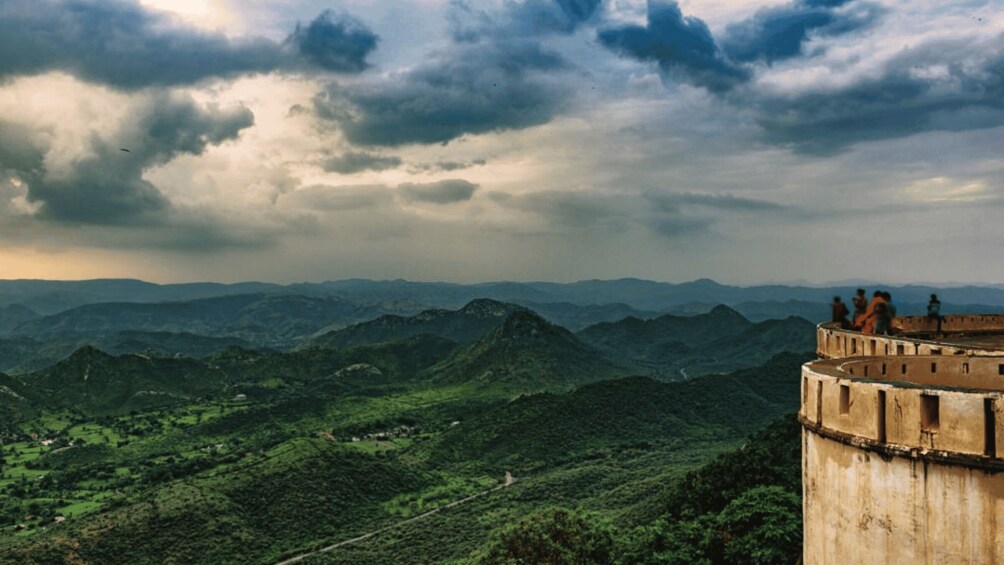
[{"x": 903, "y": 444}]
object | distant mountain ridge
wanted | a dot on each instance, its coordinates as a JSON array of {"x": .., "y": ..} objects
[
  {"x": 462, "y": 326},
  {"x": 265, "y": 319},
  {"x": 13, "y": 315},
  {"x": 677, "y": 347},
  {"x": 49, "y": 297}
]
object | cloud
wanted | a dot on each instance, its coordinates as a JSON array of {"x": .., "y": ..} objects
[
  {"x": 336, "y": 43},
  {"x": 668, "y": 214},
  {"x": 780, "y": 32},
  {"x": 357, "y": 162},
  {"x": 686, "y": 213},
  {"x": 682, "y": 47},
  {"x": 570, "y": 210},
  {"x": 937, "y": 86},
  {"x": 727, "y": 202},
  {"x": 106, "y": 185},
  {"x": 121, "y": 44},
  {"x": 338, "y": 198},
  {"x": 467, "y": 89},
  {"x": 474, "y": 21},
  {"x": 445, "y": 166},
  {"x": 442, "y": 192}
]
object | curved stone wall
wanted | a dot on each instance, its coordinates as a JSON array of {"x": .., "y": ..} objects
[
  {"x": 902, "y": 450},
  {"x": 835, "y": 343}
]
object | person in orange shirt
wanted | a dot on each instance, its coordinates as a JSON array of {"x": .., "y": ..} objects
[{"x": 870, "y": 318}]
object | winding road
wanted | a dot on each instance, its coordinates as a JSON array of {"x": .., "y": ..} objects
[{"x": 509, "y": 480}]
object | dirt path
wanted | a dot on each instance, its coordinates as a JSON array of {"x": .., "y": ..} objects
[{"x": 509, "y": 480}]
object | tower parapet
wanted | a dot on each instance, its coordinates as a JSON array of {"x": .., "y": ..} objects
[{"x": 903, "y": 444}]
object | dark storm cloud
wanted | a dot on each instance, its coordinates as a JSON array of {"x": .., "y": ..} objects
[
  {"x": 443, "y": 192},
  {"x": 121, "y": 44},
  {"x": 470, "y": 22},
  {"x": 935, "y": 87},
  {"x": 468, "y": 89},
  {"x": 357, "y": 162},
  {"x": 682, "y": 46},
  {"x": 336, "y": 43},
  {"x": 778, "y": 33},
  {"x": 496, "y": 75},
  {"x": 106, "y": 185}
]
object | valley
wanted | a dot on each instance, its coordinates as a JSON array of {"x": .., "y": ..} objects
[{"x": 264, "y": 454}]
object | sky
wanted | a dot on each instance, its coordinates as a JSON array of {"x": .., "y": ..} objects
[{"x": 748, "y": 141}]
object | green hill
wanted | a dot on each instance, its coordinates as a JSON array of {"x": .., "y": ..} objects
[
  {"x": 94, "y": 382},
  {"x": 24, "y": 355},
  {"x": 15, "y": 405},
  {"x": 395, "y": 361},
  {"x": 579, "y": 316},
  {"x": 549, "y": 427},
  {"x": 525, "y": 353},
  {"x": 465, "y": 325},
  {"x": 677, "y": 347},
  {"x": 636, "y": 337}
]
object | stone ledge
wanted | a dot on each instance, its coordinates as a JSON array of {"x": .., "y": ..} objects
[{"x": 887, "y": 451}]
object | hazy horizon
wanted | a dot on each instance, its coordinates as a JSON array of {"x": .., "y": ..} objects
[{"x": 794, "y": 283}]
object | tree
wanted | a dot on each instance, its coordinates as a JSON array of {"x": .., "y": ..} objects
[
  {"x": 684, "y": 542},
  {"x": 763, "y": 527},
  {"x": 554, "y": 537}
]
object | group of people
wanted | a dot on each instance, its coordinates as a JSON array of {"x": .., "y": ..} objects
[{"x": 876, "y": 317}]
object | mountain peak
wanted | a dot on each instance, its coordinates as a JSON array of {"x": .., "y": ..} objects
[
  {"x": 527, "y": 325},
  {"x": 88, "y": 353},
  {"x": 489, "y": 308},
  {"x": 723, "y": 310},
  {"x": 705, "y": 283}
]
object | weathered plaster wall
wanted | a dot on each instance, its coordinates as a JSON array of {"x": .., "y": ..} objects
[{"x": 864, "y": 507}]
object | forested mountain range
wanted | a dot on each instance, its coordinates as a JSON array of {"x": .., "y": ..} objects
[{"x": 255, "y": 427}]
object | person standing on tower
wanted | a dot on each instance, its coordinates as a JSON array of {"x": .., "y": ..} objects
[
  {"x": 934, "y": 311},
  {"x": 860, "y": 303},
  {"x": 840, "y": 313}
]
